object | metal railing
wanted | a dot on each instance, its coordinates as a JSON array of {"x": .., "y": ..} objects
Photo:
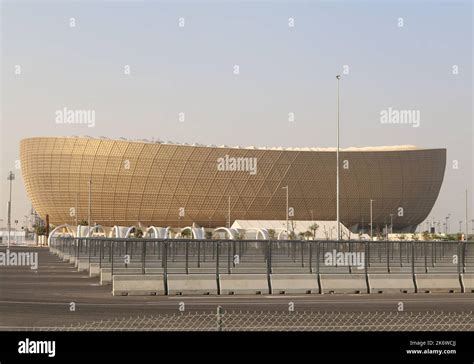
[{"x": 187, "y": 256}]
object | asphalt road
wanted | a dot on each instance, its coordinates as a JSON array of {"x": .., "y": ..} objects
[{"x": 42, "y": 298}]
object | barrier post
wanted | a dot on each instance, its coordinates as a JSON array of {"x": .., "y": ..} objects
[
  {"x": 199, "y": 254},
  {"x": 388, "y": 256},
  {"x": 269, "y": 265},
  {"x": 143, "y": 256},
  {"x": 220, "y": 312},
  {"x": 302, "y": 254},
  {"x": 464, "y": 246},
  {"x": 112, "y": 257},
  {"x": 228, "y": 258},
  {"x": 216, "y": 247},
  {"x": 186, "y": 252}
]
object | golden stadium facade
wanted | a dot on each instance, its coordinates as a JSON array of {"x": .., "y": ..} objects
[{"x": 165, "y": 184}]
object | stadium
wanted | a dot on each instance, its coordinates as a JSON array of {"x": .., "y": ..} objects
[{"x": 170, "y": 184}]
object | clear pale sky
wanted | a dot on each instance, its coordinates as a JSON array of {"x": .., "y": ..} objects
[{"x": 282, "y": 70}]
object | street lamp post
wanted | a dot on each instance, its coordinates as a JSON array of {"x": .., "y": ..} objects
[
  {"x": 391, "y": 223},
  {"x": 447, "y": 218},
  {"x": 11, "y": 177},
  {"x": 338, "y": 77},
  {"x": 371, "y": 221},
  {"x": 287, "y": 207}
]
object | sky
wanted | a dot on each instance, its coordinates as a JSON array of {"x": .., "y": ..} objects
[{"x": 400, "y": 55}]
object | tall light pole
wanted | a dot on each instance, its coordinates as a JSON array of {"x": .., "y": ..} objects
[
  {"x": 371, "y": 221},
  {"x": 11, "y": 177},
  {"x": 287, "y": 225},
  {"x": 447, "y": 218},
  {"x": 338, "y": 77}
]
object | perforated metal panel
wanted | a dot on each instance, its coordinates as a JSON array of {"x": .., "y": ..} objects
[{"x": 148, "y": 183}]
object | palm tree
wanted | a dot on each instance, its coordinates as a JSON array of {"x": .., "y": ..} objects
[
  {"x": 186, "y": 233},
  {"x": 314, "y": 227},
  {"x": 271, "y": 234}
]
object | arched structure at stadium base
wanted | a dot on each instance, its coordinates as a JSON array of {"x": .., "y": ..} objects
[
  {"x": 231, "y": 233},
  {"x": 97, "y": 228},
  {"x": 280, "y": 235},
  {"x": 57, "y": 231},
  {"x": 129, "y": 232},
  {"x": 196, "y": 233},
  {"x": 119, "y": 231},
  {"x": 157, "y": 232},
  {"x": 260, "y": 234},
  {"x": 201, "y": 180}
]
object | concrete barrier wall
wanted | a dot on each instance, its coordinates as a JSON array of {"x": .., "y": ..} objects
[
  {"x": 106, "y": 273},
  {"x": 391, "y": 283},
  {"x": 244, "y": 284},
  {"x": 438, "y": 283},
  {"x": 343, "y": 283},
  {"x": 294, "y": 283},
  {"x": 195, "y": 284},
  {"x": 244, "y": 270},
  {"x": 94, "y": 270},
  {"x": 468, "y": 279},
  {"x": 138, "y": 285},
  {"x": 83, "y": 265},
  {"x": 290, "y": 270}
]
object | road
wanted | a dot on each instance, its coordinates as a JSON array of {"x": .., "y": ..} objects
[{"x": 43, "y": 297}]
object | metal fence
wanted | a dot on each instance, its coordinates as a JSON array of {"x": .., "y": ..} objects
[
  {"x": 184, "y": 256},
  {"x": 223, "y": 320}
]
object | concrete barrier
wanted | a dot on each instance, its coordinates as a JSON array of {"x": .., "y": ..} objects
[
  {"x": 106, "y": 273},
  {"x": 438, "y": 283},
  {"x": 83, "y": 265},
  {"x": 72, "y": 259},
  {"x": 65, "y": 257},
  {"x": 294, "y": 283},
  {"x": 244, "y": 284},
  {"x": 290, "y": 270},
  {"x": 468, "y": 281},
  {"x": 343, "y": 283},
  {"x": 202, "y": 271},
  {"x": 391, "y": 283},
  {"x": 138, "y": 285},
  {"x": 94, "y": 270},
  {"x": 244, "y": 270},
  {"x": 195, "y": 284}
]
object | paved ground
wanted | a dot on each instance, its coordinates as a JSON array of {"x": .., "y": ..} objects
[{"x": 42, "y": 298}]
